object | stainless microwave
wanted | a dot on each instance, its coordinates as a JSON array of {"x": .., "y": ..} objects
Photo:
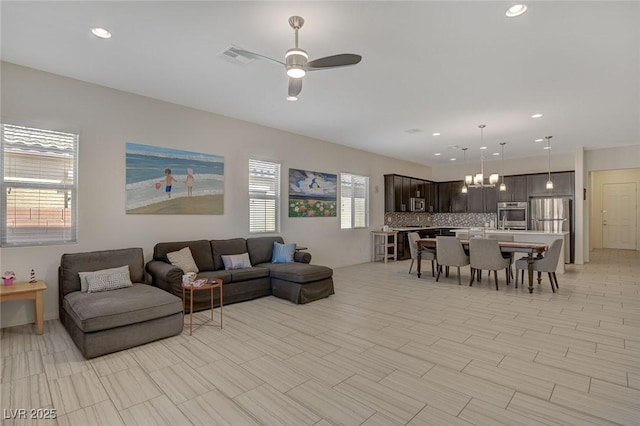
[
  {"x": 513, "y": 215},
  {"x": 417, "y": 205}
]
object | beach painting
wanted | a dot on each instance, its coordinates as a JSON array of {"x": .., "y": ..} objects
[
  {"x": 312, "y": 194},
  {"x": 173, "y": 181}
]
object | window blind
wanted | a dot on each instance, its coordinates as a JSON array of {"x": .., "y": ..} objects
[
  {"x": 264, "y": 196},
  {"x": 39, "y": 186},
  {"x": 354, "y": 201}
]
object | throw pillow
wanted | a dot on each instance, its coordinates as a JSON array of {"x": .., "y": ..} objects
[
  {"x": 106, "y": 282},
  {"x": 183, "y": 260},
  {"x": 283, "y": 253},
  {"x": 236, "y": 261},
  {"x": 83, "y": 275}
]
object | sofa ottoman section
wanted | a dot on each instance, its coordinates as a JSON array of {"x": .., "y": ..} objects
[
  {"x": 110, "y": 309},
  {"x": 300, "y": 282}
]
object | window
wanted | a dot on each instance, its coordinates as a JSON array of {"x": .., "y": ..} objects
[
  {"x": 39, "y": 186},
  {"x": 354, "y": 201},
  {"x": 264, "y": 196}
]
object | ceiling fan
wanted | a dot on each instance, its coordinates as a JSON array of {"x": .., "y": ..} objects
[{"x": 297, "y": 61}]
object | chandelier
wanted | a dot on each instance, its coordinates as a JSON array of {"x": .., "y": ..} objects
[{"x": 477, "y": 180}]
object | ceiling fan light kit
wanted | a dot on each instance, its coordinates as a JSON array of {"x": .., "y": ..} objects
[{"x": 297, "y": 61}]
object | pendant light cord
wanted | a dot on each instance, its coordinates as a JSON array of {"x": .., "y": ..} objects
[{"x": 548, "y": 138}]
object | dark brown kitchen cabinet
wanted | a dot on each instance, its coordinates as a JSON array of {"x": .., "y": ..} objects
[
  {"x": 397, "y": 193},
  {"x": 482, "y": 200},
  {"x": 417, "y": 188},
  {"x": 563, "y": 183},
  {"x": 450, "y": 197},
  {"x": 431, "y": 196},
  {"x": 475, "y": 200},
  {"x": 403, "y": 251},
  {"x": 516, "y": 189},
  {"x": 399, "y": 190},
  {"x": 393, "y": 194}
]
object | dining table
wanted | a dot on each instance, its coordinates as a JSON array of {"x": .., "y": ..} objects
[{"x": 533, "y": 251}]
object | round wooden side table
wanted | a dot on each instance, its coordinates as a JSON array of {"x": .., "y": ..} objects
[{"x": 211, "y": 284}]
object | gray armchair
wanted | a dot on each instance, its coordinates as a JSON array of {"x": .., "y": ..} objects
[
  {"x": 426, "y": 254},
  {"x": 548, "y": 264},
  {"x": 485, "y": 254},
  {"x": 449, "y": 252}
]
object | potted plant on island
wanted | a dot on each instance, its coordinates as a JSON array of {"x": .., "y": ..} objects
[{"x": 8, "y": 277}]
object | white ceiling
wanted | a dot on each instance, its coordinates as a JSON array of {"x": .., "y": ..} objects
[{"x": 436, "y": 66}]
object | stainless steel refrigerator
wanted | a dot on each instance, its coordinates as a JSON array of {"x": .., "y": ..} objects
[{"x": 553, "y": 215}]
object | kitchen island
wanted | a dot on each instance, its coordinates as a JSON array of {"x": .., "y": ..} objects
[
  {"x": 526, "y": 236},
  {"x": 403, "y": 251}
]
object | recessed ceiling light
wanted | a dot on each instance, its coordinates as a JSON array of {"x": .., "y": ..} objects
[
  {"x": 292, "y": 98},
  {"x": 516, "y": 10},
  {"x": 483, "y": 147},
  {"x": 547, "y": 147},
  {"x": 435, "y": 134},
  {"x": 100, "y": 32},
  {"x": 452, "y": 159},
  {"x": 436, "y": 154},
  {"x": 538, "y": 115},
  {"x": 496, "y": 153},
  {"x": 538, "y": 140}
]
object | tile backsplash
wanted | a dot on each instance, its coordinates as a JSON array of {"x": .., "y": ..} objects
[
  {"x": 400, "y": 219},
  {"x": 463, "y": 219}
]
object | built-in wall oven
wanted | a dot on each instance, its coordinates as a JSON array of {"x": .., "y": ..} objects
[{"x": 513, "y": 215}]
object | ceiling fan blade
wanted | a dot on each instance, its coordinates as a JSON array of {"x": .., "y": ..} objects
[
  {"x": 334, "y": 61},
  {"x": 295, "y": 86},
  {"x": 252, "y": 55}
]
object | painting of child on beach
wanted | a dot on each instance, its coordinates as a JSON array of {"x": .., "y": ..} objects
[{"x": 173, "y": 181}]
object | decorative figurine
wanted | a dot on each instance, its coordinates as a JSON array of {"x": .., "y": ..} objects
[
  {"x": 32, "y": 276},
  {"x": 8, "y": 277}
]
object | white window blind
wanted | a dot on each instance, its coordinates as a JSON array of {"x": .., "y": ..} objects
[
  {"x": 39, "y": 186},
  {"x": 354, "y": 201},
  {"x": 264, "y": 196}
]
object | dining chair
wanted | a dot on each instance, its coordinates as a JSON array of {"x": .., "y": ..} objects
[
  {"x": 485, "y": 254},
  {"x": 510, "y": 256},
  {"x": 427, "y": 253},
  {"x": 547, "y": 264},
  {"x": 449, "y": 252}
]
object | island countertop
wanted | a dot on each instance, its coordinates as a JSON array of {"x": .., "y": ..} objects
[{"x": 513, "y": 232}]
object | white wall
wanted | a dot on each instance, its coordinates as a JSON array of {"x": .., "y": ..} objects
[
  {"x": 107, "y": 118},
  {"x": 623, "y": 157}
]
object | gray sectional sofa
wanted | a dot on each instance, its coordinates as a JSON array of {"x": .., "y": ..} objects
[
  {"x": 299, "y": 282},
  {"x": 109, "y": 321}
]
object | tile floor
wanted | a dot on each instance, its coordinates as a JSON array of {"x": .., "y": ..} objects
[{"x": 387, "y": 349}]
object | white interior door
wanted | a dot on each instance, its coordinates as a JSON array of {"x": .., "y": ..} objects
[{"x": 619, "y": 215}]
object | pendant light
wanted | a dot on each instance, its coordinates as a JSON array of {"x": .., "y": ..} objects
[
  {"x": 464, "y": 162},
  {"x": 549, "y": 181},
  {"x": 503, "y": 187}
]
